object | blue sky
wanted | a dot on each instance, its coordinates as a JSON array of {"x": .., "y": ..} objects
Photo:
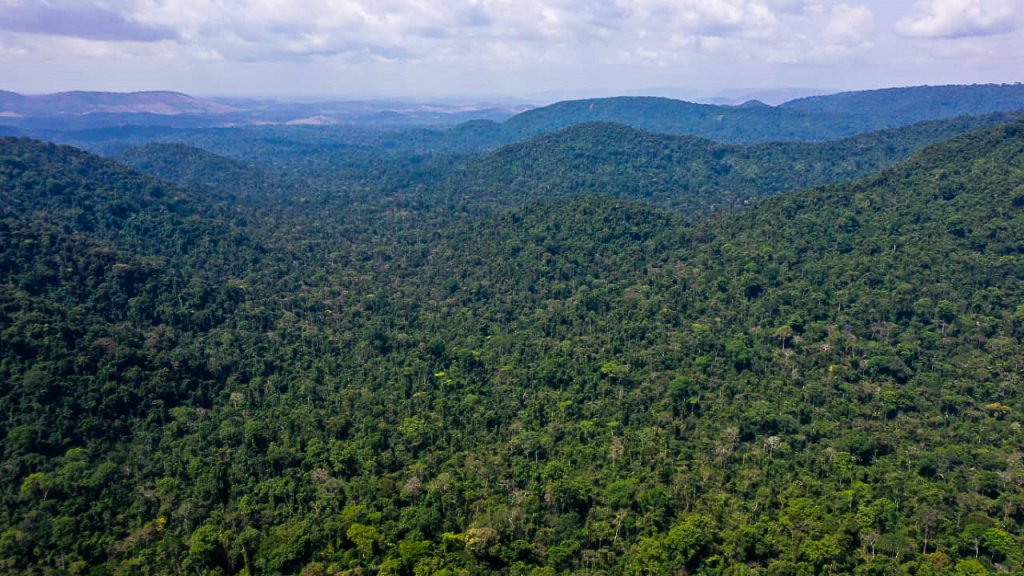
[{"x": 495, "y": 48}]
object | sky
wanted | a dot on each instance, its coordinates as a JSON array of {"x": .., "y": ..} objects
[{"x": 528, "y": 49}]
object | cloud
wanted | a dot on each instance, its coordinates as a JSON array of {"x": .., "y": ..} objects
[
  {"x": 848, "y": 25},
  {"x": 813, "y": 32},
  {"x": 517, "y": 32},
  {"x": 698, "y": 18},
  {"x": 75, "y": 19},
  {"x": 272, "y": 29},
  {"x": 962, "y": 18},
  {"x": 402, "y": 47}
]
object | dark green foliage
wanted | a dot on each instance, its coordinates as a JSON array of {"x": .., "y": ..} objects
[
  {"x": 898, "y": 106},
  {"x": 827, "y": 382},
  {"x": 188, "y": 166},
  {"x": 694, "y": 176}
]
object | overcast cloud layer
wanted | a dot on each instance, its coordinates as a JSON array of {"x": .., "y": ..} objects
[{"x": 503, "y": 47}]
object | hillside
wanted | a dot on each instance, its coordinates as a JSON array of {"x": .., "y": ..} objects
[
  {"x": 898, "y": 106},
  {"x": 95, "y": 258},
  {"x": 732, "y": 124},
  {"x": 192, "y": 167},
  {"x": 694, "y": 176},
  {"x": 823, "y": 382},
  {"x": 809, "y": 119}
]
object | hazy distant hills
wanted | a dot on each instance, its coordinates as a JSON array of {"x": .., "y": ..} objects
[
  {"x": 466, "y": 127},
  {"x": 81, "y": 103},
  {"x": 81, "y": 110},
  {"x": 772, "y": 96}
]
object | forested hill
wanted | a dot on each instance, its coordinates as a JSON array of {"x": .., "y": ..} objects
[
  {"x": 95, "y": 260},
  {"x": 76, "y": 193},
  {"x": 826, "y": 382},
  {"x": 917, "y": 103},
  {"x": 193, "y": 167},
  {"x": 694, "y": 176},
  {"x": 740, "y": 124},
  {"x": 810, "y": 119}
]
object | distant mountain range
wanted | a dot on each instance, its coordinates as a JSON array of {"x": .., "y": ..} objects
[
  {"x": 918, "y": 103},
  {"x": 772, "y": 96},
  {"x": 814, "y": 118},
  {"x": 13, "y": 105},
  {"x": 81, "y": 110}
]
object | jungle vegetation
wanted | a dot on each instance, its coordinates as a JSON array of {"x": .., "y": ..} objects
[{"x": 260, "y": 370}]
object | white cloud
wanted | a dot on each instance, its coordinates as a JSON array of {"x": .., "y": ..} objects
[
  {"x": 848, "y": 25},
  {"x": 13, "y": 50},
  {"x": 815, "y": 32},
  {"x": 962, "y": 18},
  {"x": 493, "y": 44},
  {"x": 699, "y": 18},
  {"x": 426, "y": 30}
]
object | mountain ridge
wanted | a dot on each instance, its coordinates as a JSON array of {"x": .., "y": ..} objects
[
  {"x": 694, "y": 175},
  {"x": 814, "y": 118}
]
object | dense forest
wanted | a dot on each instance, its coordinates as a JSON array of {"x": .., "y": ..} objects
[
  {"x": 693, "y": 176},
  {"x": 624, "y": 353}
]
